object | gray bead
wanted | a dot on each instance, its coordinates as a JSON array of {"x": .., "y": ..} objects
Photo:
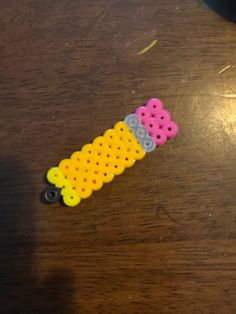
[
  {"x": 132, "y": 121},
  {"x": 148, "y": 144},
  {"x": 139, "y": 131}
]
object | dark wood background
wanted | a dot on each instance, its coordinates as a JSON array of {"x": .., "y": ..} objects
[{"x": 162, "y": 237}]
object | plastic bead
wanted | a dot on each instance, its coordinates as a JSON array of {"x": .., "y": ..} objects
[
  {"x": 152, "y": 126},
  {"x": 148, "y": 144},
  {"x": 155, "y": 106},
  {"x": 160, "y": 137},
  {"x": 132, "y": 121},
  {"x": 71, "y": 199},
  {"x": 144, "y": 114},
  {"x": 163, "y": 117},
  {"x": 51, "y": 195},
  {"x": 171, "y": 129}
]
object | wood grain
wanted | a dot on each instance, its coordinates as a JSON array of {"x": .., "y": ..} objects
[{"x": 162, "y": 237}]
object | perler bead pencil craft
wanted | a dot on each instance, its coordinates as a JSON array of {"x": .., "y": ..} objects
[{"x": 108, "y": 155}]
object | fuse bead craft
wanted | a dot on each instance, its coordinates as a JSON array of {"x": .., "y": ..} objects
[{"x": 107, "y": 156}]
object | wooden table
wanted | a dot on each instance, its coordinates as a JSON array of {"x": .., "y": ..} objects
[{"x": 162, "y": 237}]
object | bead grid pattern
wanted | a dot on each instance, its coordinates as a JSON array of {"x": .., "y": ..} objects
[{"x": 108, "y": 155}]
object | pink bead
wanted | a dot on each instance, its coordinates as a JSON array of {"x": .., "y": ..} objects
[
  {"x": 155, "y": 106},
  {"x": 171, "y": 129},
  {"x": 159, "y": 137},
  {"x": 163, "y": 117},
  {"x": 151, "y": 125},
  {"x": 143, "y": 114}
]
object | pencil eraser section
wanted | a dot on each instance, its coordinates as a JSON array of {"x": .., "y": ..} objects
[{"x": 157, "y": 121}]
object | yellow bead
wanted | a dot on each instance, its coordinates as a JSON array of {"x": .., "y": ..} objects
[
  {"x": 66, "y": 166},
  {"x": 117, "y": 166},
  {"x": 78, "y": 157},
  {"x": 99, "y": 143},
  {"x": 71, "y": 199},
  {"x": 96, "y": 182},
  {"x": 110, "y": 136},
  {"x": 54, "y": 175},
  {"x": 83, "y": 191},
  {"x": 88, "y": 149},
  {"x": 105, "y": 174}
]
